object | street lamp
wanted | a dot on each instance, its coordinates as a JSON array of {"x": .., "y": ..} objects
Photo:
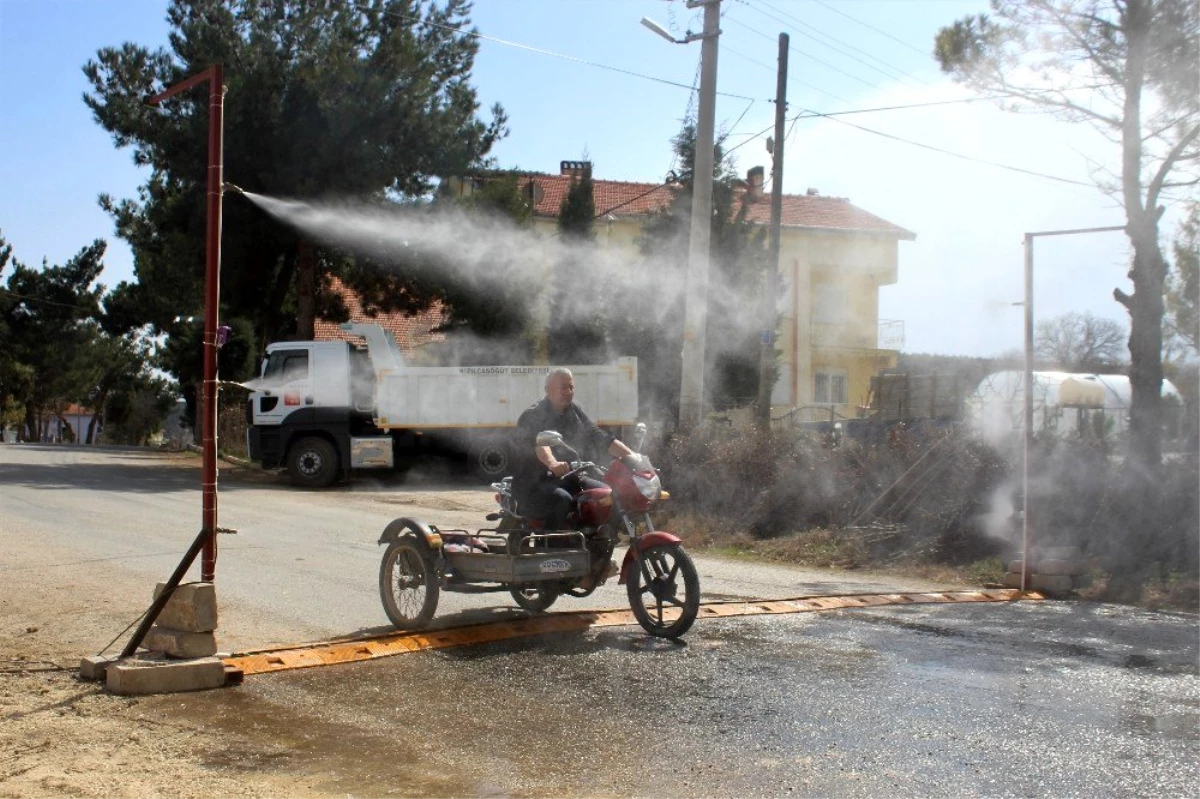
[
  {"x": 1027, "y": 443},
  {"x": 691, "y": 387},
  {"x": 688, "y": 38}
]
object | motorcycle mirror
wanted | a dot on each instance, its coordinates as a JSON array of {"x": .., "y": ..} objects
[{"x": 548, "y": 438}]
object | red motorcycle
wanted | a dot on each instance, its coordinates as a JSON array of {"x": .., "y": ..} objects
[{"x": 537, "y": 566}]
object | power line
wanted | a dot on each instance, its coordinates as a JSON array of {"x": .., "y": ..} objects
[
  {"x": 809, "y": 56},
  {"x": 791, "y": 78},
  {"x": 833, "y": 115},
  {"x": 39, "y": 300},
  {"x": 871, "y": 27},
  {"x": 808, "y": 113},
  {"x": 997, "y": 164},
  {"x": 895, "y": 72},
  {"x": 740, "y": 118},
  {"x": 551, "y": 53}
]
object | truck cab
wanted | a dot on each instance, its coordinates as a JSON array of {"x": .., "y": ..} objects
[{"x": 309, "y": 401}]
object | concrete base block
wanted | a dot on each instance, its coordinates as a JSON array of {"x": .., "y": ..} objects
[
  {"x": 191, "y": 608},
  {"x": 1012, "y": 579},
  {"x": 139, "y": 676},
  {"x": 1052, "y": 583},
  {"x": 179, "y": 643},
  {"x": 93, "y": 667}
]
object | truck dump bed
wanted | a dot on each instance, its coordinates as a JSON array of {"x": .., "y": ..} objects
[{"x": 494, "y": 396}]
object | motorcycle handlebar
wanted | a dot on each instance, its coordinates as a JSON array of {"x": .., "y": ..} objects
[{"x": 579, "y": 466}]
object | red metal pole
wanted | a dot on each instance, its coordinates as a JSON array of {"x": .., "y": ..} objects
[
  {"x": 212, "y": 301},
  {"x": 215, "y": 75}
]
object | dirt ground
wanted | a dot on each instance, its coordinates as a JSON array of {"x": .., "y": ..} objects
[
  {"x": 66, "y": 737},
  {"x": 61, "y": 736}
]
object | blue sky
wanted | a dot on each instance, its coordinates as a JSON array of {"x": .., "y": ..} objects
[{"x": 958, "y": 280}]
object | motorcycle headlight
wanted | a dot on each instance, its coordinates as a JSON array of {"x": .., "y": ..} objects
[{"x": 650, "y": 487}]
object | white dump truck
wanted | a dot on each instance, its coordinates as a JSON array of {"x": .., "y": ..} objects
[{"x": 323, "y": 409}]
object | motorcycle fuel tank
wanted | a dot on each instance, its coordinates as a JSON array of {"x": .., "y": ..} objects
[{"x": 594, "y": 505}]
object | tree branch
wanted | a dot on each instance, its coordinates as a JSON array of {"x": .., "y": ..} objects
[{"x": 1160, "y": 177}]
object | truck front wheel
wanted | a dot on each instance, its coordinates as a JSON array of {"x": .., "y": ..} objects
[
  {"x": 491, "y": 457},
  {"x": 313, "y": 463}
]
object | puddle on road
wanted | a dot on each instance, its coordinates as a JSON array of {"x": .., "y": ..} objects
[{"x": 300, "y": 742}]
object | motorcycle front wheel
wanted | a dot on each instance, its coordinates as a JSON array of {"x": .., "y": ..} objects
[
  {"x": 535, "y": 598},
  {"x": 664, "y": 592},
  {"x": 408, "y": 584}
]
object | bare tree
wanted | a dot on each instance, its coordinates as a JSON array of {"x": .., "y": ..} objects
[
  {"x": 1127, "y": 67},
  {"x": 1077, "y": 342}
]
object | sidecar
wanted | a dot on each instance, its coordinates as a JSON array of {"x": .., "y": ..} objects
[{"x": 422, "y": 560}]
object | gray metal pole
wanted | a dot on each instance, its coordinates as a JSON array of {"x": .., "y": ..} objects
[
  {"x": 691, "y": 384},
  {"x": 1027, "y": 438},
  {"x": 766, "y": 362}
]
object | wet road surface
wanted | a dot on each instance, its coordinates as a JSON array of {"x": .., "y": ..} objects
[{"x": 1023, "y": 699}]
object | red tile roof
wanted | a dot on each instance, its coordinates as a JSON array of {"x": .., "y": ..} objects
[
  {"x": 410, "y": 332},
  {"x": 631, "y": 200}
]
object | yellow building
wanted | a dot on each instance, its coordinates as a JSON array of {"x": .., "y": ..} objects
[{"x": 834, "y": 257}]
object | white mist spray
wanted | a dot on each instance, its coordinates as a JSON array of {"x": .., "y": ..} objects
[{"x": 464, "y": 248}]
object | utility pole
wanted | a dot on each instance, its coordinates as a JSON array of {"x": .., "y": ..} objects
[
  {"x": 691, "y": 386},
  {"x": 766, "y": 358}
]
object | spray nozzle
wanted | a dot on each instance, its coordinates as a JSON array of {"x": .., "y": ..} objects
[{"x": 227, "y": 186}]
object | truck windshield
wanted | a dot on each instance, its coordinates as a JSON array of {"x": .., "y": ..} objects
[{"x": 284, "y": 366}]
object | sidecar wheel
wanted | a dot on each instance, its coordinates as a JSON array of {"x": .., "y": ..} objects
[
  {"x": 535, "y": 599},
  {"x": 408, "y": 583},
  {"x": 664, "y": 592}
]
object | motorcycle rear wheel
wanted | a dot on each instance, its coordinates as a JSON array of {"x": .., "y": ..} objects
[
  {"x": 654, "y": 591},
  {"x": 408, "y": 584},
  {"x": 535, "y": 599}
]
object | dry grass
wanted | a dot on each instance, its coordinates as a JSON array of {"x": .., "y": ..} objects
[{"x": 921, "y": 504}]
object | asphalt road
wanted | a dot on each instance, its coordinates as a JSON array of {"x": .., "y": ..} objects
[
  {"x": 303, "y": 565},
  {"x": 1020, "y": 699}
]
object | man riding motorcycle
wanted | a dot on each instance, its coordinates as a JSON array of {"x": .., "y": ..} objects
[{"x": 538, "y": 483}]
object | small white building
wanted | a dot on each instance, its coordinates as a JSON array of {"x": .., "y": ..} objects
[{"x": 1064, "y": 404}]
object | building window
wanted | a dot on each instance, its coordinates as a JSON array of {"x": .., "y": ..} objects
[{"x": 830, "y": 387}]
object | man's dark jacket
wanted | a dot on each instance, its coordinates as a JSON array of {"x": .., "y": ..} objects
[{"x": 572, "y": 424}]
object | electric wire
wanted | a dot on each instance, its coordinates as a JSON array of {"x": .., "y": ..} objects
[
  {"x": 892, "y": 72},
  {"x": 802, "y": 54},
  {"x": 809, "y": 113},
  {"x": 40, "y": 301},
  {"x": 871, "y": 27},
  {"x": 542, "y": 51},
  {"x": 953, "y": 154},
  {"x": 791, "y": 78},
  {"x": 739, "y": 119}
]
